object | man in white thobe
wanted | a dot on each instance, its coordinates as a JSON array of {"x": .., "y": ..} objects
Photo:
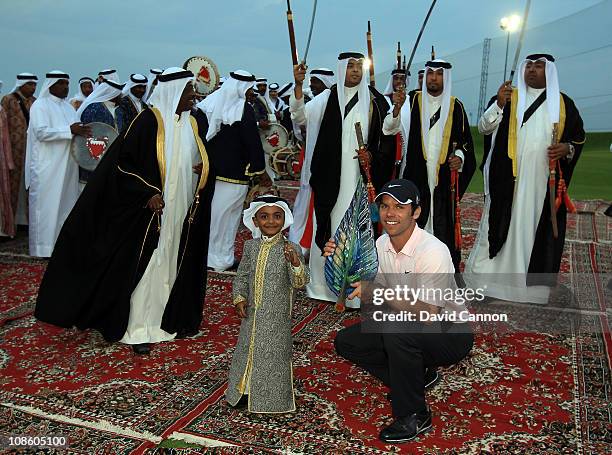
[
  {"x": 51, "y": 173},
  {"x": 334, "y": 170}
]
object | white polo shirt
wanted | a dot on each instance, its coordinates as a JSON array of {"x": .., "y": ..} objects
[{"x": 423, "y": 254}]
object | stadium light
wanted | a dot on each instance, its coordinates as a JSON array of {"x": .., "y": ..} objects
[{"x": 509, "y": 24}]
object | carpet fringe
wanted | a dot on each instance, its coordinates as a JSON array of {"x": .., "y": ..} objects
[
  {"x": 97, "y": 425},
  {"x": 206, "y": 442}
]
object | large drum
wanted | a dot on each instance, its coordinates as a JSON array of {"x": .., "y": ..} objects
[
  {"x": 88, "y": 151},
  {"x": 206, "y": 74},
  {"x": 285, "y": 162},
  {"x": 274, "y": 138}
]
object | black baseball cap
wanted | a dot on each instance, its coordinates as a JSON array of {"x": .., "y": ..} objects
[{"x": 402, "y": 190}]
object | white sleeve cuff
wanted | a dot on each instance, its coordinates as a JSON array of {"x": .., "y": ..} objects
[
  {"x": 391, "y": 125},
  {"x": 459, "y": 153},
  {"x": 490, "y": 119},
  {"x": 493, "y": 113}
]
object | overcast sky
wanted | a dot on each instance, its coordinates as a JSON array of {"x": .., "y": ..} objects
[{"x": 135, "y": 35}]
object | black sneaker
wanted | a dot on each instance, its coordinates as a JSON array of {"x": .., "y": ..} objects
[
  {"x": 432, "y": 377},
  {"x": 404, "y": 429}
]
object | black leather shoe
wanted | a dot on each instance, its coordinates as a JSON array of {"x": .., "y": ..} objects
[
  {"x": 141, "y": 349},
  {"x": 404, "y": 429},
  {"x": 242, "y": 403},
  {"x": 185, "y": 333}
]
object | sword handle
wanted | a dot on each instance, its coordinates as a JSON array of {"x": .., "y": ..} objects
[
  {"x": 359, "y": 134},
  {"x": 294, "y": 54},
  {"x": 552, "y": 166},
  {"x": 399, "y": 56},
  {"x": 371, "y": 55}
]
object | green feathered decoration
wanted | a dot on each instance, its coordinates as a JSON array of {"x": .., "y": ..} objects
[{"x": 355, "y": 257}]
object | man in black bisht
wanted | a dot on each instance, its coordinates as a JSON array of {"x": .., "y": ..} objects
[
  {"x": 439, "y": 142},
  {"x": 334, "y": 171},
  {"x": 130, "y": 260},
  {"x": 238, "y": 159},
  {"x": 516, "y": 237},
  {"x": 132, "y": 102}
]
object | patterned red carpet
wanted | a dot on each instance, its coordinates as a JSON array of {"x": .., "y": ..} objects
[{"x": 516, "y": 393}]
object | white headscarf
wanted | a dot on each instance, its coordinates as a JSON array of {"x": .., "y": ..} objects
[
  {"x": 389, "y": 87},
  {"x": 259, "y": 81},
  {"x": 364, "y": 92},
  {"x": 106, "y": 91},
  {"x": 165, "y": 98},
  {"x": 154, "y": 73},
  {"x": 51, "y": 78},
  {"x": 279, "y": 104},
  {"x": 79, "y": 96},
  {"x": 110, "y": 75},
  {"x": 325, "y": 75},
  {"x": 265, "y": 96},
  {"x": 552, "y": 87},
  {"x": 404, "y": 112},
  {"x": 226, "y": 105},
  {"x": 24, "y": 78},
  {"x": 134, "y": 81},
  {"x": 284, "y": 90},
  {"x": 417, "y": 79},
  {"x": 265, "y": 201},
  {"x": 436, "y": 65}
]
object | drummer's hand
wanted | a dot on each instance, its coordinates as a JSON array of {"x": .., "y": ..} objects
[
  {"x": 80, "y": 130},
  {"x": 299, "y": 73},
  {"x": 329, "y": 248},
  {"x": 264, "y": 124},
  {"x": 278, "y": 116},
  {"x": 197, "y": 169},
  {"x": 156, "y": 204}
]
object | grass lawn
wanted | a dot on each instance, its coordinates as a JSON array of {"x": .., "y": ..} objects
[{"x": 592, "y": 177}]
